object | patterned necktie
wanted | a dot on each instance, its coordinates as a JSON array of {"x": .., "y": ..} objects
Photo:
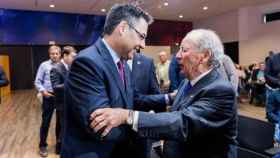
[{"x": 121, "y": 71}]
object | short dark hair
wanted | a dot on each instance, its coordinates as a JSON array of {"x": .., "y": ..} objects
[
  {"x": 67, "y": 50},
  {"x": 124, "y": 12}
]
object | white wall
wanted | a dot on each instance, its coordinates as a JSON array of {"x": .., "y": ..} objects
[
  {"x": 225, "y": 25},
  {"x": 246, "y": 26}
]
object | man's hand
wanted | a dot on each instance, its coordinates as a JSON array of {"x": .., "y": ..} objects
[
  {"x": 47, "y": 94},
  {"x": 173, "y": 94},
  {"x": 107, "y": 119}
]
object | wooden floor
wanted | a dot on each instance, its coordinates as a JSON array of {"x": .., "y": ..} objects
[{"x": 20, "y": 117}]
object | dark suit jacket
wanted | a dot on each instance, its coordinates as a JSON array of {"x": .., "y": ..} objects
[
  {"x": 94, "y": 82},
  {"x": 174, "y": 74},
  {"x": 272, "y": 71},
  {"x": 144, "y": 83},
  {"x": 58, "y": 75},
  {"x": 201, "y": 124},
  {"x": 3, "y": 79}
]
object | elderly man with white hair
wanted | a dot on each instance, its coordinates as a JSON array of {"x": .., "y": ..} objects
[{"x": 203, "y": 117}]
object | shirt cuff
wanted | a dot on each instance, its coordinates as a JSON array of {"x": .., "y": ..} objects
[
  {"x": 135, "y": 121},
  {"x": 167, "y": 100}
]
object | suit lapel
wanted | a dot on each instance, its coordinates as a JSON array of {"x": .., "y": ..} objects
[
  {"x": 64, "y": 70},
  {"x": 109, "y": 63},
  {"x": 179, "y": 95},
  {"x": 135, "y": 64},
  {"x": 128, "y": 88}
]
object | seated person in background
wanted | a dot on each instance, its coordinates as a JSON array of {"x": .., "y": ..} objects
[
  {"x": 3, "y": 79},
  {"x": 258, "y": 84},
  {"x": 203, "y": 118}
]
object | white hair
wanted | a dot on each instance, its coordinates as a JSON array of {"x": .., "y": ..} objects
[{"x": 204, "y": 39}]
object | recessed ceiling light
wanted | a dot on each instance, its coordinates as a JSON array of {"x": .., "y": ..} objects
[
  {"x": 181, "y": 16},
  {"x": 165, "y": 3},
  {"x": 103, "y": 10},
  {"x": 51, "y": 5},
  {"x": 205, "y": 8}
]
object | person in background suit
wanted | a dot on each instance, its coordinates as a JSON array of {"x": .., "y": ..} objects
[
  {"x": 43, "y": 85},
  {"x": 58, "y": 76},
  {"x": 99, "y": 77},
  {"x": 174, "y": 74},
  {"x": 203, "y": 118},
  {"x": 144, "y": 83},
  {"x": 3, "y": 78},
  {"x": 272, "y": 83}
]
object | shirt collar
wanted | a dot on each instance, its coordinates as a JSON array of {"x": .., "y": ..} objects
[
  {"x": 114, "y": 55},
  {"x": 51, "y": 62},
  {"x": 66, "y": 66},
  {"x": 194, "y": 81}
]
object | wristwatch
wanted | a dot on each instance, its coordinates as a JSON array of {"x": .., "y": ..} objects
[{"x": 129, "y": 119}]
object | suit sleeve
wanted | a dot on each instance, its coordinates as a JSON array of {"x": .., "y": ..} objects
[
  {"x": 204, "y": 117},
  {"x": 154, "y": 102},
  {"x": 56, "y": 80},
  {"x": 85, "y": 91}
]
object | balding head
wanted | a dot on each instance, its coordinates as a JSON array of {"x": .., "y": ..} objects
[{"x": 162, "y": 56}]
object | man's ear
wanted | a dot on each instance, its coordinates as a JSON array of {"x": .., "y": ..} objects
[
  {"x": 206, "y": 56},
  {"x": 122, "y": 27}
]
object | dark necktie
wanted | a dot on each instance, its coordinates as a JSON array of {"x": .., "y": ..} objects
[
  {"x": 121, "y": 71},
  {"x": 187, "y": 89}
]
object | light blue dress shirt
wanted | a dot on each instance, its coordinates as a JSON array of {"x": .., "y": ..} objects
[{"x": 42, "y": 81}]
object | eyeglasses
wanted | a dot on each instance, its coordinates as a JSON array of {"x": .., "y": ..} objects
[{"x": 142, "y": 36}]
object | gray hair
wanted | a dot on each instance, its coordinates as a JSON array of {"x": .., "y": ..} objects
[
  {"x": 124, "y": 12},
  {"x": 204, "y": 39},
  {"x": 55, "y": 47}
]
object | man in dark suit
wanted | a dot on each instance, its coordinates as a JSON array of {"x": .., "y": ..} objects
[
  {"x": 174, "y": 74},
  {"x": 98, "y": 78},
  {"x": 58, "y": 75},
  {"x": 203, "y": 118},
  {"x": 144, "y": 82}
]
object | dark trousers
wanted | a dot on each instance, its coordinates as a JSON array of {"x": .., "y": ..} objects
[
  {"x": 48, "y": 108},
  {"x": 59, "y": 124},
  {"x": 272, "y": 105}
]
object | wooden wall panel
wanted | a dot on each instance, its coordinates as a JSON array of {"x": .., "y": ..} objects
[{"x": 5, "y": 63}]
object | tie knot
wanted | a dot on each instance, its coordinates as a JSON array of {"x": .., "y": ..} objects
[{"x": 188, "y": 87}]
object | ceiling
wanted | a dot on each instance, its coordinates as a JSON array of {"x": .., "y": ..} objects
[{"x": 190, "y": 9}]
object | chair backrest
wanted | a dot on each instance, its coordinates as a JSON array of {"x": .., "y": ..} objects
[{"x": 254, "y": 134}]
